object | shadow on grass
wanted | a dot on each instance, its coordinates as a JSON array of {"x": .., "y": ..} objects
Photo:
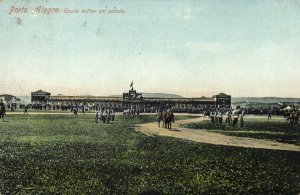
[{"x": 177, "y": 130}]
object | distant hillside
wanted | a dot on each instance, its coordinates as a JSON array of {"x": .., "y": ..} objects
[
  {"x": 161, "y": 95},
  {"x": 263, "y": 99},
  {"x": 8, "y": 97},
  {"x": 25, "y": 99},
  {"x": 155, "y": 95}
]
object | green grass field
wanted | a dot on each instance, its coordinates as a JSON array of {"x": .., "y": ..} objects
[
  {"x": 277, "y": 129},
  {"x": 72, "y": 155}
]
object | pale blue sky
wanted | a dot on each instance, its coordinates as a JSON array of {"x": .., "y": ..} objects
[{"x": 191, "y": 48}]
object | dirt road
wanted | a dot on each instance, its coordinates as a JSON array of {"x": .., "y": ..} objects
[{"x": 205, "y": 136}]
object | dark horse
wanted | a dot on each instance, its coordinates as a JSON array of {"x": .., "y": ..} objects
[{"x": 168, "y": 118}]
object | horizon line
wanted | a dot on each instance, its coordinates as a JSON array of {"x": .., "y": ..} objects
[{"x": 285, "y": 97}]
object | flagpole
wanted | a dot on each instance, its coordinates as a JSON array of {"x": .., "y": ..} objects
[{"x": 131, "y": 85}]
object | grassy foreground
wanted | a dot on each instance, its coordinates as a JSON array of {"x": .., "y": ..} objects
[{"x": 73, "y": 155}]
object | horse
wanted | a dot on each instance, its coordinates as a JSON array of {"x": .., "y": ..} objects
[{"x": 168, "y": 118}]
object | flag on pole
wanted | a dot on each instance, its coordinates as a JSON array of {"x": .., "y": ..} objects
[{"x": 131, "y": 85}]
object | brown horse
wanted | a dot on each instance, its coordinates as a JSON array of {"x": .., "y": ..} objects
[{"x": 168, "y": 118}]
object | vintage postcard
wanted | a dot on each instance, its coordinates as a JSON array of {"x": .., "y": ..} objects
[{"x": 149, "y": 97}]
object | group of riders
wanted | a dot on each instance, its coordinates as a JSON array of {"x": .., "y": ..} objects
[
  {"x": 292, "y": 114},
  {"x": 166, "y": 116}
]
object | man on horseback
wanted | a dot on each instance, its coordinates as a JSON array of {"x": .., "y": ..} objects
[{"x": 168, "y": 118}]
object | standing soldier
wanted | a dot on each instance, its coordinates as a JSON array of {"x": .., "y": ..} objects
[
  {"x": 212, "y": 116},
  {"x": 25, "y": 110},
  {"x": 220, "y": 115},
  {"x": 235, "y": 114},
  {"x": 75, "y": 110},
  {"x": 242, "y": 118},
  {"x": 2, "y": 110},
  {"x": 269, "y": 113},
  {"x": 112, "y": 114},
  {"x": 83, "y": 110},
  {"x": 159, "y": 117},
  {"x": 216, "y": 116},
  {"x": 261, "y": 112},
  {"x": 228, "y": 117}
]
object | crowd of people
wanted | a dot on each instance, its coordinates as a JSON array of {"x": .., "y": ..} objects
[
  {"x": 212, "y": 110},
  {"x": 216, "y": 114},
  {"x": 137, "y": 108},
  {"x": 105, "y": 114},
  {"x": 232, "y": 116}
]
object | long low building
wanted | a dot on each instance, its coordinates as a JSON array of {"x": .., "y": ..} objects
[{"x": 131, "y": 99}]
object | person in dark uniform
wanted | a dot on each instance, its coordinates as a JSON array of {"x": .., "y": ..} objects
[
  {"x": 269, "y": 113},
  {"x": 75, "y": 110},
  {"x": 235, "y": 115},
  {"x": 159, "y": 117},
  {"x": 228, "y": 117},
  {"x": 83, "y": 110},
  {"x": 26, "y": 110},
  {"x": 242, "y": 117},
  {"x": 2, "y": 110}
]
